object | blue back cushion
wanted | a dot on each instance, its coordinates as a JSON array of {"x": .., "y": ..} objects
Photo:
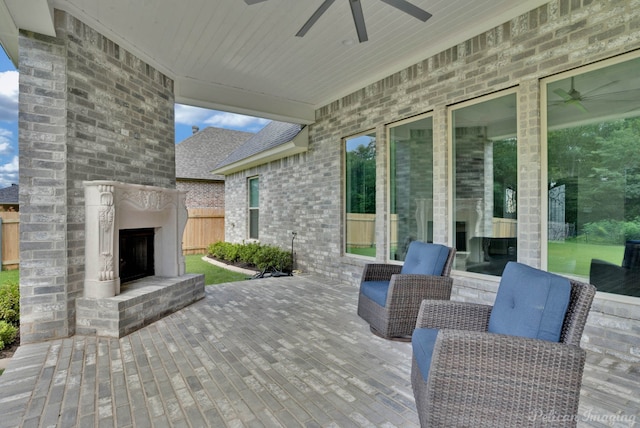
[
  {"x": 530, "y": 303},
  {"x": 376, "y": 291},
  {"x": 425, "y": 259},
  {"x": 422, "y": 342}
]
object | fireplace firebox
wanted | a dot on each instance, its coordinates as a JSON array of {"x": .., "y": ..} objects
[{"x": 136, "y": 254}]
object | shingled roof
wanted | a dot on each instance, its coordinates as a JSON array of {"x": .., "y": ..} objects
[
  {"x": 197, "y": 155},
  {"x": 9, "y": 195},
  {"x": 277, "y": 138}
]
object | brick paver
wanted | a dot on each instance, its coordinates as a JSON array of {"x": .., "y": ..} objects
[{"x": 263, "y": 353}]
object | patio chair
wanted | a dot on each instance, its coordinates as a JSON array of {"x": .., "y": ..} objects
[
  {"x": 516, "y": 363},
  {"x": 390, "y": 295},
  {"x": 624, "y": 279}
]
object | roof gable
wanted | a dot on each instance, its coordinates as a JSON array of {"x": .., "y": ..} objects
[
  {"x": 197, "y": 155},
  {"x": 9, "y": 195},
  {"x": 272, "y": 137}
]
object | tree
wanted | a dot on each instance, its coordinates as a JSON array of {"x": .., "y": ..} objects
[{"x": 361, "y": 179}]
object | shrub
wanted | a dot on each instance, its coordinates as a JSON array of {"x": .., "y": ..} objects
[
  {"x": 7, "y": 334},
  {"x": 270, "y": 258},
  {"x": 10, "y": 303},
  {"x": 247, "y": 252},
  {"x": 224, "y": 251},
  {"x": 263, "y": 257},
  {"x": 612, "y": 231}
]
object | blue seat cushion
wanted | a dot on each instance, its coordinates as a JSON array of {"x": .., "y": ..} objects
[
  {"x": 530, "y": 303},
  {"x": 376, "y": 291},
  {"x": 425, "y": 259},
  {"x": 422, "y": 342}
]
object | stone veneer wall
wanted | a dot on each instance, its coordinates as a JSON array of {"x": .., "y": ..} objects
[
  {"x": 89, "y": 110},
  {"x": 305, "y": 193}
]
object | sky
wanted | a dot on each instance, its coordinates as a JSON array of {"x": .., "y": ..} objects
[{"x": 185, "y": 118}]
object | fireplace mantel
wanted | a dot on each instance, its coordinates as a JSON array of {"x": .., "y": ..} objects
[{"x": 111, "y": 206}]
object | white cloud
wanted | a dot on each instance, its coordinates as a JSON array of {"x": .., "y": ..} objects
[
  {"x": 189, "y": 115},
  {"x": 11, "y": 166},
  {"x": 236, "y": 121},
  {"x": 9, "y": 173},
  {"x": 5, "y": 141},
  {"x": 9, "y": 90}
]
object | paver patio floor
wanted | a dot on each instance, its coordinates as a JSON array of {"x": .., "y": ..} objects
[{"x": 263, "y": 353}]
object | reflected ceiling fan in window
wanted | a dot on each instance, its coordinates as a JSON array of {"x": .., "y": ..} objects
[
  {"x": 575, "y": 98},
  {"x": 358, "y": 17}
]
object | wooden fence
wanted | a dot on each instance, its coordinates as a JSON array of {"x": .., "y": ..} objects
[
  {"x": 205, "y": 226},
  {"x": 361, "y": 229},
  {"x": 10, "y": 240}
]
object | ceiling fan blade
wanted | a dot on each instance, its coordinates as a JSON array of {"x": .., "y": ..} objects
[
  {"x": 358, "y": 19},
  {"x": 316, "y": 15},
  {"x": 409, "y": 8},
  {"x": 599, "y": 88},
  {"x": 563, "y": 94},
  {"x": 578, "y": 105},
  {"x": 250, "y": 2}
]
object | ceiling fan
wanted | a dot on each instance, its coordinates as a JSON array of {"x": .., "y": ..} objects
[
  {"x": 577, "y": 99},
  {"x": 571, "y": 97},
  {"x": 358, "y": 17}
]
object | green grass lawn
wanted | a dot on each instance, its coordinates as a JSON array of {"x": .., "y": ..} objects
[
  {"x": 569, "y": 257},
  {"x": 212, "y": 274},
  {"x": 368, "y": 251},
  {"x": 194, "y": 264},
  {"x": 9, "y": 276},
  {"x": 573, "y": 257}
]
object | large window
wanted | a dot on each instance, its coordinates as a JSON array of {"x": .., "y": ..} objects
[
  {"x": 360, "y": 195},
  {"x": 411, "y": 184},
  {"x": 593, "y": 174},
  {"x": 254, "y": 207},
  {"x": 485, "y": 169}
]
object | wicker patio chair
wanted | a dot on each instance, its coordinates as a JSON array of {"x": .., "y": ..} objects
[
  {"x": 483, "y": 379},
  {"x": 624, "y": 279},
  {"x": 390, "y": 295}
]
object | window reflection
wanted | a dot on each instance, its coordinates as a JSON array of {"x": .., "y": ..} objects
[
  {"x": 593, "y": 146},
  {"x": 411, "y": 175},
  {"x": 485, "y": 192},
  {"x": 360, "y": 195}
]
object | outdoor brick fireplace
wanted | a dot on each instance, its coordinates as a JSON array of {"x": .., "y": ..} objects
[{"x": 134, "y": 267}]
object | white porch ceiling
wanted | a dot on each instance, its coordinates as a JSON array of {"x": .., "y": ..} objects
[{"x": 227, "y": 55}]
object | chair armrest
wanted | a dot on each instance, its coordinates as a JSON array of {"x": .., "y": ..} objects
[
  {"x": 379, "y": 271},
  {"x": 513, "y": 379},
  {"x": 415, "y": 288},
  {"x": 454, "y": 315}
]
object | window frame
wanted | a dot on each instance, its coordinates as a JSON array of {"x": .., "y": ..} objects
[
  {"x": 251, "y": 209},
  {"x": 544, "y": 152},
  {"x": 388, "y": 188},
  {"x": 343, "y": 146},
  {"x": 451, "y": 174}
]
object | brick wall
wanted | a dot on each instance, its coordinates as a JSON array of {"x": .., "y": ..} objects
[
  {"x": 305, "y": 194},
  {"x": 89, "y": 110},
  {"x": 202, "y": 194}
]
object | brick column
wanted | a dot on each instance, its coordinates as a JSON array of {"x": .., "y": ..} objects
[
  {"x": 89, "y": 110},
  {"x": 44, "y": 309}
]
